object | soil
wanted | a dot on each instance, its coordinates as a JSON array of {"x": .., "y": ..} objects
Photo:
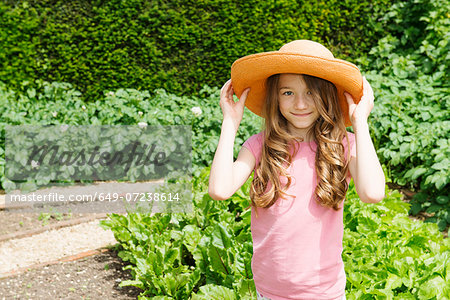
[
  {"x": 11, "y": 222},
  {"x": 94, "y": 277}
]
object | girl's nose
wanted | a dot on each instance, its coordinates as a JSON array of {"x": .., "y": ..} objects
[{"x": 300, "y": 103}]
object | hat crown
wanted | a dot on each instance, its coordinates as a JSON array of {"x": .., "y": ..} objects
[{"x": 307, "y": 47}]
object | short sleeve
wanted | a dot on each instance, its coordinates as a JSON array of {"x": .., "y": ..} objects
[
  {"x": 254, "y": 144},
  {"x": 351, "y": 140}
]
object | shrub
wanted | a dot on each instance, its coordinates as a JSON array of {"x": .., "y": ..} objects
[{"x": 175, "y": 45}]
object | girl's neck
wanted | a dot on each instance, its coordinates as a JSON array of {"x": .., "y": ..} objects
[
  {"x": 304, "y": 139},
  {"x": 301, "y": 135},
  {"x": 299, "y": 140}
]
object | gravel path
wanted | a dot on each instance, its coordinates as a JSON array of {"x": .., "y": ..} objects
[
  {"x": 52, "y": 245},
  {"x": 38, "y": 265}
]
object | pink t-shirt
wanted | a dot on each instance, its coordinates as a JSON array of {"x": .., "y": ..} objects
[{"x": 297, "y": 244}]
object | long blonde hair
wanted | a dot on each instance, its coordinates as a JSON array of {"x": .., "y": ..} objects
[{"x": 328, "y": 131}]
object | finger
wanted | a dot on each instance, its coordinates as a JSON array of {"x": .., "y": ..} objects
[
  {"x": 349, "y": 99},
  {"x": 230, "y": 93},
  {"x": 225, "y": 87},
  {"x": 244, "y": 96},
  {"x": 368, "y": 92},
  {"x": 225, "y": 92},
  {"x": 366, "y": 86}
]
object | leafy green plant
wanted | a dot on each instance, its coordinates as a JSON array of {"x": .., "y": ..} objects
[
  {"x": 408, "y": 71},
  {"x": 411, "y": 129},
  {"x": 207, "y": 254},
  {"x": 51, "y": 214},
  {"x": 58, "y": 104},
  {"x": 202, "y": 253},
  {"x": 387, "y": 254}
]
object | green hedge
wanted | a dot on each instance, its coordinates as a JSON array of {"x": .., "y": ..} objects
[{"x": 175, "y": 45}]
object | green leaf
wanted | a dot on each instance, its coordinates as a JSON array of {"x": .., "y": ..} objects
[
  {"x": 415, "y": 172},
  {"x": 136, "y": 283},
  {"x": 433, "y": 208},
  {"x": 393, "y": 282},
  {"x": 170, "y": 256},
  {"x": 220, "y": 236},
  {"x": 434, "y": 287},
  {"x": 218, "y": 259},
  {"x": 214, "y": 292},
  {"x": 442, "y": 199},
  {"x": 416, "y": 208}
]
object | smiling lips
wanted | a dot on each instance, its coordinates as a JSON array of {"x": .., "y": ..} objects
[{"x": 301, "y": 115}]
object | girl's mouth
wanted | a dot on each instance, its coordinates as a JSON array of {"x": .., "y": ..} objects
[{"x": 301, "y": 115}]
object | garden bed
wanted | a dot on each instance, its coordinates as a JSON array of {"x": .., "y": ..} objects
[{"x": 94, "y": 277}]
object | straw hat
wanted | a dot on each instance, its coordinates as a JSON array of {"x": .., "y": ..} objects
[{"x": 300, "y": 57}]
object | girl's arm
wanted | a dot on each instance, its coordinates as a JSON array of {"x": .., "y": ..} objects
[
  {"x": 365, "y": 168},
  {"x": 227, "y": 176}
]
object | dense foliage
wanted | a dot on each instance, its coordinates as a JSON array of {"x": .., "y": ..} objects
[
  {"x": 207, "y": 254},
  {"x": 410, "y": 121},
  {"x": 175, "y": 45},
  {"x": 58, "y": 103}
]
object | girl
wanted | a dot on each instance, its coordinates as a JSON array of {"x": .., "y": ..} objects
[{"x": 303, "y": 162}]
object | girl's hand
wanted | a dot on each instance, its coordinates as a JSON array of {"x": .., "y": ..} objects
[
  {"x": 230, "y": 109},
  {"x": 360, "y": 112}
]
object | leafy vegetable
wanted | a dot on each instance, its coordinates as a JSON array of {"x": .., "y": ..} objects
[{"x": 207, "y": 254}]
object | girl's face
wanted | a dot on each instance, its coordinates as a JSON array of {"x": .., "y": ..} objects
[{"x": 296, "y": 104}]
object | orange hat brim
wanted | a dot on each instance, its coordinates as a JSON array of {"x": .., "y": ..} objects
[{"x": 253, "y": 70}]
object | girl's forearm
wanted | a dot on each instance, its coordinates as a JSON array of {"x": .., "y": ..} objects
[
  {"x": 221, "y": 175},
  {"x": 370, "y": 176}
]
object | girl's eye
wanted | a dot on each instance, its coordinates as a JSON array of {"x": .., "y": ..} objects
[
  {"x": 309, "y": 93},
  {"x": 287, "y": 93}
]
